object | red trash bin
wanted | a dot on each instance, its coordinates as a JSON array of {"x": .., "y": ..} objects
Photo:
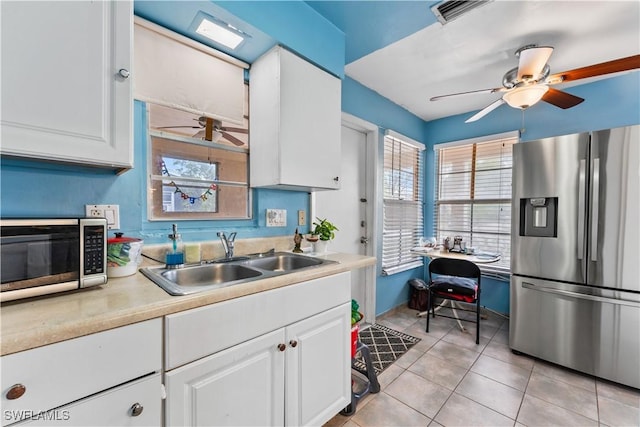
[{"x": 354, "y": 339}]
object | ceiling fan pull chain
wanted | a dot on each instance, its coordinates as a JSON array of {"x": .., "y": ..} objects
[{"x": 522, "y": 128}]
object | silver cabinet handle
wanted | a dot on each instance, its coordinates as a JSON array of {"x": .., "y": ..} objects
[
  {"x": 581, "y": 207},
  {"x": 124, "y": 73},
  {"x": 136, "y": 409},
  {"x": 595, "y": 208}
]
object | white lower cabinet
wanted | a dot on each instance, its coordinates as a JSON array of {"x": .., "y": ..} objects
[
  {"x": 297, "y": 374},
  {"x": 91, "y": 380},
  {"x": 137, "y": 403}
]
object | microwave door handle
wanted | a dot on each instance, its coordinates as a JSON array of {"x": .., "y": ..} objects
[
  {"x": 581, "y": 206},
  {"x": 595, "y": 208}
]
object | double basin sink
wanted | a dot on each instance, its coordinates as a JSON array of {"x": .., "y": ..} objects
[{"x": 203, "y": 277}]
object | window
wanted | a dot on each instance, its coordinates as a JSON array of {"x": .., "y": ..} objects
[
  {"x": 473, "y": 194},
  {"x": 191, "y": 177},
  {"x": 402, "y": 205}
]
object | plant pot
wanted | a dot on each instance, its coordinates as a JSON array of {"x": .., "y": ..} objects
[{"x": 320, "y": 246}]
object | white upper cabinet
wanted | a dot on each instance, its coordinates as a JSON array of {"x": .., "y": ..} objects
[
  {"x": 294, "y": 124},
  {"x": 66, "y": 90}
]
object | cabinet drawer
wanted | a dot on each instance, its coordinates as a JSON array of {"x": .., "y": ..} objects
[
  {"x": 60, "y": 373},
  {"x": 228, "y": 323},
  {"x": 114, "y": 407}
]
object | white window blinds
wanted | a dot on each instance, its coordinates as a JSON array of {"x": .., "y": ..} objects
[
  {"x": 176, "y": 72},
  {"x": 402, "y": 205},
  {"x": 473, "y": 195}
]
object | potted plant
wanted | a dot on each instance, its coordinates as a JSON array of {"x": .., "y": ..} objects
[{"x": 323, "y": 232}]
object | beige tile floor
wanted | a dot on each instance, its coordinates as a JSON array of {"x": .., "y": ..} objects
[{"x": 448, "y": 380}]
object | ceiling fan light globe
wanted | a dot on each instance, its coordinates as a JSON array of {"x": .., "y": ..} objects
[{"x": 525, "y": 96}]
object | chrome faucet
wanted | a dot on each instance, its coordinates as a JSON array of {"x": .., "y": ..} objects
[{"x": 227, "y": 243}]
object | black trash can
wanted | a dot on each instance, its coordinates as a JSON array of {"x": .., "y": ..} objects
[{"x": 418, "y": 299}]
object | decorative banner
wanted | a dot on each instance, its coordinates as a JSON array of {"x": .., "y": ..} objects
[{"x": 192, "y": 199}]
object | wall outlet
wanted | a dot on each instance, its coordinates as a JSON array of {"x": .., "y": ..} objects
[
  {"x": 302, "y": 218},
  {"x": 110, "y": 212}
]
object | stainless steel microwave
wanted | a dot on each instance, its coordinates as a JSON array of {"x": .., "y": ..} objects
[{"x": 44, "y": 256}]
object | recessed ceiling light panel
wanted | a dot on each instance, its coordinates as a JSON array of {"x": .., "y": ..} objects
[{"x": 220, "y": 32}]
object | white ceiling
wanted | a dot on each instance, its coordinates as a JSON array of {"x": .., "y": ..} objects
[{"x": 474, "y": 51}]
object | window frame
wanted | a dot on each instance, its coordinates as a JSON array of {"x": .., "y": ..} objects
[
  {"x": 501, "y": 268},
  {"x": 401, "y": 229},
  {"x": 154, "y": 181}
]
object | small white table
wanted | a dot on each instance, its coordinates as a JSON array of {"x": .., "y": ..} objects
[{"x": 443, "y": 253}]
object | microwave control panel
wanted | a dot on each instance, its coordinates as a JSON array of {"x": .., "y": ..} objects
[{"x": 94, "y": 249}]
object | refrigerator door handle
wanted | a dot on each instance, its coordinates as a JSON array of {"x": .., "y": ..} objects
[
  {"x": 579, "y": 295},
  {"x": 595, "y": 208},
  {"x": 581, "y": 206}
]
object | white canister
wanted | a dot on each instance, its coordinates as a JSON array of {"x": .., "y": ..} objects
[{"x": 124, "y": 254}]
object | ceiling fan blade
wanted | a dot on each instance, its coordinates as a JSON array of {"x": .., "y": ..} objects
[
  {"x": 177, "y": 127},
  {"x": 235, "y": 130},
  {"x": 231, "y": 138},
  {"x": 561, "y": 99},
  {"x": 486, "y": 110},
  {"x": 471, "y": 92},
  {"x": 615, "y": 66},
  {"x": 532, "y": 61}
]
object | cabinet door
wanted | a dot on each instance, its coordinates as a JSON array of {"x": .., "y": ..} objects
[
  {"x": 240, "y": 386},
  {"x": 137, "y": 403},
  {"x": 318, "y": 383},
  {"x": 63, "y": 97},
  {"x": 311, "y": 115},
  {"x": 295, "y": 124}
]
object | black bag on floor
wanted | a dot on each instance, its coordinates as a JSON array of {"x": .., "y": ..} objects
[{"x": 418, "y": 294}]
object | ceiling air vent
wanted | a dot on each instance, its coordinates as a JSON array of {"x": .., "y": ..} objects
[{"x": 449, "y": 10}]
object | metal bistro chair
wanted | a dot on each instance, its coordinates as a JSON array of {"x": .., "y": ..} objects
[{"x": 454, "y": 280}]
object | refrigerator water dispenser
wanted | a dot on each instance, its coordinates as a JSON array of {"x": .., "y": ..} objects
[{"x": 539, "y": 217}]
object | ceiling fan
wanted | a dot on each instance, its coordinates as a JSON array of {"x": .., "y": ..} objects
[
  {"x": 529, "y": 82},
  {"x": 212, "y": 130}
]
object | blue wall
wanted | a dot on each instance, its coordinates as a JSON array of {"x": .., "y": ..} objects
[
  {"x": 608, "y": 103},
  {"x": 362, "y": 102},
  {"x": 30, "y": 188}
]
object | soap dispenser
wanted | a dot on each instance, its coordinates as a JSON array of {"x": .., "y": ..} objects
[{"x": 175, "y": 255}]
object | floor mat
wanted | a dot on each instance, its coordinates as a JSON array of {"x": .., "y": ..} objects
[{"x": 386, "y": 346}]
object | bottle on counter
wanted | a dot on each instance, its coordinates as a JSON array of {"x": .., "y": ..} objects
[{"x": 175, "y": 254}]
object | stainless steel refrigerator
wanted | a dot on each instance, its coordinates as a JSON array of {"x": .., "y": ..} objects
[{"x": 575, "y": 254}]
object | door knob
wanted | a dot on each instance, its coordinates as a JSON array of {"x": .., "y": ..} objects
[
  {"x": 293, "y": 343},
  {"x": 282, "y": 347}
]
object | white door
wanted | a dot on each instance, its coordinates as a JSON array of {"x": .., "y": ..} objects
[
  {"x": 240, "y": 386},
  {"x": 318, "y": 361},
  {"x": 349, "y": 208}
]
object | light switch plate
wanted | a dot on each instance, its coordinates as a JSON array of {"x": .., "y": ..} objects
[
  {"x": 110, "y": 212},
  {"x": 276, "y": 217},
  {"x": 302, "y": 218}
]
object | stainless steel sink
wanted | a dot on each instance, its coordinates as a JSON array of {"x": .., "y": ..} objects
[
  {"x": 223, "y": 273},
  {"x": 284, "y": 262},
  {"x": 210, "y": 274}
]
